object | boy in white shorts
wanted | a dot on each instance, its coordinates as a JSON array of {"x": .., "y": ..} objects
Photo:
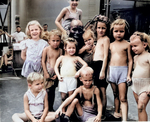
[{"x": 68, "y": 74}]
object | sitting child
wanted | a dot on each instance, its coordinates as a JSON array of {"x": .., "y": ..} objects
[
  {"x": 35, "y": 102},
  {"x": 88, "y": 95}
]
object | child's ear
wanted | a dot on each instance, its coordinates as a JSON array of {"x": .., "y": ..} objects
[
  {"x": 145, "y": 44},
  {"x": 80, "y": 78},
  {"x": 29, "y": 85}
]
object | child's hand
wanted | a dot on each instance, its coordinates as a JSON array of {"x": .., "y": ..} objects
[
  {"x": 87, "y": 47},
  {"x": 60, "y": 78},
  {"x": 97, "y": 119},
  {"x": 46, "y": 75},
  {"x": 77, "y": 75},
  {"x": 128, "y": 78},
  {"x": 58, "y": 113},
  {"x": 102, "y": 75},
  {"x": 54, "y": 77}
]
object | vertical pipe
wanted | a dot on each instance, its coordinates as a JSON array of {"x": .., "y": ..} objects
[{"x": 107, "y": 8}]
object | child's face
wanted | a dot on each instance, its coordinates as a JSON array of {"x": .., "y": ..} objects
[
  {"x": 119, "y": 32},
  {"x": 101, "y": 29},
  {"x": 87, "y": 80},
  {"x": 89, "y": 41},
  {"x": 36, "y": 86},
  {"x": 73, "y": 3},
  {"x": 70, "y": 48},
  {"x": 137, "y": 45},
  {"x": 54, "y": 41},
  {"x": 34, "y": 31}
]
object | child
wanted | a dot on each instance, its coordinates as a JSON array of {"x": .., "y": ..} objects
[
  {"x": 120, "y": 67},
  {"x": 140, "y": 43},
  {"x": 67, "y": 14},
  {"x": 35, "y": 102},
  {"x": 88, "y": 95},
  {"x": 32, "y": 48},
  {"x": 68, "y": 74},
  {"x": 49, "y": 57},
  {"x": 88, "y": 49},
  {"x": 100, "y": 57}
]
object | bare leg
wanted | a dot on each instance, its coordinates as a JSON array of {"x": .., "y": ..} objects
[
  {"x": 123, "y": 99},
  {"x": 70, "y": 92},
  {"x": 104, "y": 99},
  {"x": 116, "y": 98},
  {"x": 75, "y": 103},
  {"x": 63, "y": 97},
  {"x": 50, "y": 117},
  {"x": 20, "y": 117},
  {"x": 142, "y": 103}
]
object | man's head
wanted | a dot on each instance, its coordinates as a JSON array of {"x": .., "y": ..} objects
[
  {"x": 18, "y": 29},
  {"x": 45, "y": 26},
  {"x": 76, "y": 29}
]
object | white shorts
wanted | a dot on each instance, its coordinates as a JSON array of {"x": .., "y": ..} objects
[{"x": 68, "y": 84}]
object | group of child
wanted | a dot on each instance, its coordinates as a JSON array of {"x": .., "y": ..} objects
[{"x": 94, "y": 65}]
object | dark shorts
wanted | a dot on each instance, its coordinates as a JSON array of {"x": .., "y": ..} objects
[{"x": 97, "y": 65}]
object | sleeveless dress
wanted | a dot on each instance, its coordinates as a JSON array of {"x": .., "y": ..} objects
[{"x": 69, "y": 16}]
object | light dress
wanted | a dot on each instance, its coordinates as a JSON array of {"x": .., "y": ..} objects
[
  {"x": 34, "y": 51},
  {"x": 69, "y": 16}
]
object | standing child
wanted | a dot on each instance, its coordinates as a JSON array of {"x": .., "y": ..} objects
[
  {"x": 49, "y": 57},
  {"x": 140, "y": 43},
  {"x": 100, "y": 57},
  {"x": 32, "y": 48},
  {"x": 88, "y": 49},
  {"x": 67, "y": 14},
  {"x": 35, "y": 102},
  {"x": 88, "y": 100},
  {"x": 68, "y": 74},
  {"x": 120, "y": 67}
]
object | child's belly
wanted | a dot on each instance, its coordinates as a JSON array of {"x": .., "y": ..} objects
[
  {"x": 141, "y": 72},
  {"x": 68, "y": 70}
]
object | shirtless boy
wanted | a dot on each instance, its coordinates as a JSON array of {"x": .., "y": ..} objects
[
  {"x": 49, "y": 57},
  {"x": 68, "y": 74},
  {"x": 120, "y": 67},
  {"x": 88, "y": 96}
]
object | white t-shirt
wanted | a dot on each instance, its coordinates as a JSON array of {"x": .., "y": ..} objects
[{"x": 19, "y": 36}]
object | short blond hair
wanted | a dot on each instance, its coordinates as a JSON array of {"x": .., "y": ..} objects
[
  {"x": 86, "y": 71},
  {"x": 143, "y": 37},
  {"x": 33, "y": 76},
  {"x": 88, "y": 33},
  {"x": 33, "y": 22},
  {"x": 54, "y": 32}
]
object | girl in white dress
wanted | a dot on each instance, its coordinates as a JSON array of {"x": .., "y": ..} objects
[{"x": 32, "y": 48}]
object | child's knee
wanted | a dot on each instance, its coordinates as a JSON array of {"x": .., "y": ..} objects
[
  {"x": 123, "y": 99},
  {"x": 75, "y": 101},
  {"x": 141, "y": 108}
]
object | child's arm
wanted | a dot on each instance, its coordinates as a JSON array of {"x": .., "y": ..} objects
[
  {"x": 45, "y": 109},
  {"x": 106, "y": 49},
  {"x": 99, "y": 105},
  {"x": 23, "y": 54},
  {"x": 56, "y": 68},
  {"x": 44, "y": 57},
  {"x": 84, "y": 64},
  {"x": 130, "y": 62},
  {"x": 26, "y": 109},
  {"x": 58, "y": 19},
  {"x": 67, "y": 101}
]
